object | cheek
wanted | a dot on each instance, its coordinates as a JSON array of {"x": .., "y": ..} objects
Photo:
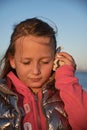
[
  {"x": 47, "y": 71},
  {"x": 22, "y": 75},
  {"x": 21, "y": 71}
]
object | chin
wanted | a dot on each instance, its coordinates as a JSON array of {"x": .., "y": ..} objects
[{"x": 35, "y": 85}]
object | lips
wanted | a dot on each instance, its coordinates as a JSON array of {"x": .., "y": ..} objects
[{"x": 35, "y": 79}]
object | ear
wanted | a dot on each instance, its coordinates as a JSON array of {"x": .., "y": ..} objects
[{"x": 12, "y": 61}]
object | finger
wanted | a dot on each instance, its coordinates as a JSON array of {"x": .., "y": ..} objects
[
  {"x": 66, "y": 55},
  {"x": 65, "y": 60}
]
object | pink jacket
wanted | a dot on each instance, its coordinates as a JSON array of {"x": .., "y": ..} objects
[
  {"x": 71, "y": 93},
  {"x": 75, "y": 99}
]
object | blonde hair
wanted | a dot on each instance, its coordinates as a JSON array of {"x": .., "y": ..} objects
[{"x": 32, "y": 26}]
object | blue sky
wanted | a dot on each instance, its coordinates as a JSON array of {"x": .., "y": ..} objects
[{"x": 70, "y": 16}]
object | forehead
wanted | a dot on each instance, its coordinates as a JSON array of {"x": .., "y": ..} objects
[
  {"x": 29, "y": 44},
  {"x": 37, "y": 39}
]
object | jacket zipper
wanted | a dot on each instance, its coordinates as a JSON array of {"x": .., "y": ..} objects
[{"x": 38, "y": 116}]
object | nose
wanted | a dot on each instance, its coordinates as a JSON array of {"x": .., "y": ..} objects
[{"x": 36, "y": 69}]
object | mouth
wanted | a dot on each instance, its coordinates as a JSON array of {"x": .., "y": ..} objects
[{"x": 35, "y": 79}]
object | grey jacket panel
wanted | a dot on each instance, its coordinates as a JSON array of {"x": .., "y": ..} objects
[{"x": 10, "y": 116}]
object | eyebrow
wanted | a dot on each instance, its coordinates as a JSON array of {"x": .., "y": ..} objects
[{"x": 28, "y": 58}]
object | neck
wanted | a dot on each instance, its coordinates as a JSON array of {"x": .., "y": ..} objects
[{"x": 36, "y": 90}]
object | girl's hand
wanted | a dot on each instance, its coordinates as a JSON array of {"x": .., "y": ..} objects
[{"x": 63, "y": 58}]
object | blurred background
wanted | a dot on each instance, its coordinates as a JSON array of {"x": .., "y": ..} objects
[{"x": 70, "y": 16}]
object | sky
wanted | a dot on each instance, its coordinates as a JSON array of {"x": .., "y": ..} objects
[{"x": 70, "y": 17}]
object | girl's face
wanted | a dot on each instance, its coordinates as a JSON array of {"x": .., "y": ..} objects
[{"x": 33, "y": 60}]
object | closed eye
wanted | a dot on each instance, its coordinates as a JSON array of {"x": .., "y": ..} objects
[
  {"x": 45, "y": 62},
  {"x": 26, "y": 62}
]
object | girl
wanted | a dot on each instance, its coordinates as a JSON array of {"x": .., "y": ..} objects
[{"x": 32, "y": 95}]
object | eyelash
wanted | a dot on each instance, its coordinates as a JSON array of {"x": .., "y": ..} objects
[
  {"x": 43, "y": 62},
  {"x": 26, "y": 63}
]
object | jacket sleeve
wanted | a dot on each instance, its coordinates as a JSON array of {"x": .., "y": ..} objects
[{"x": 73, "y": 96}]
